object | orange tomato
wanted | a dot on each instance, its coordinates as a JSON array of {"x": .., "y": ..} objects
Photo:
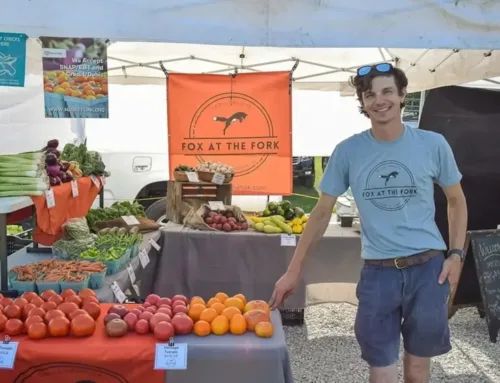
[
  {"x": 37, "y": 331},
  {"x": 82, "y": 325},
  {"x": 59, "y": 326}
]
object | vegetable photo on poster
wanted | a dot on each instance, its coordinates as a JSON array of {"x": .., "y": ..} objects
[{"x": 75, "y": 77}]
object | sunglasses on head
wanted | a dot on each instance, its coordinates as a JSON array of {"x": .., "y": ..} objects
[{"x": 382, "y": 68}]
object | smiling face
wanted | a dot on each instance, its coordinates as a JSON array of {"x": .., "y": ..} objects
[{"x": 383, "y": 101}]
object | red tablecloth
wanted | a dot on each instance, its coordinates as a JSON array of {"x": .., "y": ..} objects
[{"x": 96, "y": 359}]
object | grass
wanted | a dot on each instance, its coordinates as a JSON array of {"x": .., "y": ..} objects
[{"x": 305, "y": 197}]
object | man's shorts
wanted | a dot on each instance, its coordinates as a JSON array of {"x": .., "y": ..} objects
[{"x": 407, "y": 301}]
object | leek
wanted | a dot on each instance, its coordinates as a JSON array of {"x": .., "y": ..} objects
[
  {"x": 18, "y": 193},
  {"x": 23, "y": 174},
  {"x": 6, "y": 182}
]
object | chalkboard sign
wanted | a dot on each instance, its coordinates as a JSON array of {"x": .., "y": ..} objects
[{"x": 486, "y": 252}]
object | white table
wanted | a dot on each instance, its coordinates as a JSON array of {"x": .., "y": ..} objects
[{"x": 8, "y": 205}]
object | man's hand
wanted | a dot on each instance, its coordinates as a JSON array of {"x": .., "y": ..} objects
[
  {"x": 285, "y": 287},
  {"x": 451, "y": 270}
]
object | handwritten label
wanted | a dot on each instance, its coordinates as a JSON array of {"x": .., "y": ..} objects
[
  {"x": 171, "y": 357},
  {"x": 74, "y": 188},
  {"x": 216, "y": 205},
  {"x": 8, "y": 352},
  {"x": 103, "y": 180},
  {"x": 118, "y": 292},
  {"x": 144, "y": 258},
  {"x": 95, "y": 181},
  {"x": 218, "y": 178},
  {"x": 131, "y": 273},
  {"x": 130, "y": 220},
  {"x": 49, "y": 197},
  {"x": 288, "y": 240},
  {"x": 192, "y": 176},
  {"x": 153, "y": 243}
]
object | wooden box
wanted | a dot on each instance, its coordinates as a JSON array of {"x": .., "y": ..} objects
[{"x": 182, "y": 196}]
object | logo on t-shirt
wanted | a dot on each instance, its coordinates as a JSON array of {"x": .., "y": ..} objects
[{"x": 389, "y": 186}]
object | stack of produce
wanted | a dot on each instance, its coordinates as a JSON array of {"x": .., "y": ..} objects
[
  {"x": 225, "y": 221},
  {"x": 23, "y": 174},
  {"x": 57, "y": 276},
  {"x": 50, "y": 314},
  {"x": 59, "y": 171},
  {"x": 76, "y": 239},
  {"x": 90, "y": 162},
  {"x": 280, "y": 218},
  {"x": 206, "y": 170},
  {"x": 166, "y": 317},
  {"x": 117, "y": 210}
]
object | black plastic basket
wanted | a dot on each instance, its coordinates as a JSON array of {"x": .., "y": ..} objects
[
  {"x": 18, "y": 242},
  {"x": 292, "y": 317}
]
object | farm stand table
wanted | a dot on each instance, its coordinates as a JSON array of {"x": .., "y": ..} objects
[
  {"x": 194, "y": 262},
  {"x": 8, "y": 205}
]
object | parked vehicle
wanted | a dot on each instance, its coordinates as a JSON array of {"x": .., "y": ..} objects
[
  {"x": 303, "y": 170},
  {"x": 346, "y": 209}
]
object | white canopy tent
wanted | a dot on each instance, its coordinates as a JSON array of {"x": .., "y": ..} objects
[{"x": 438, "y": 42}]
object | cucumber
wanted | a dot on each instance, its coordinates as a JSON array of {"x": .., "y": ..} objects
[
  {"x": 282, "y": 225},
  {"x": 269, "y": 229},
  {"x": 269, "y": 221},
  {"x": 278, "y": 217},
  {"x": 259, "y": 226}
]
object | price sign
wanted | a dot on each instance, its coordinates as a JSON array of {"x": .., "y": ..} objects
[
  {"x": 216, "y": 205},
  {"x": 74, "y": 188},
  {"x": 218, "y": 178},
  {"x": 130, "y": 220},
  {"x": 169, "y": 357},
  {"x": 118, "y": 292},
  {"x": 49, "y": 197},
  {"x": 144, "y": 258},
  {"x": 131, "y": 273},
  {"x": 103, "y": 180},
  {"x": 153, "y": 243},
  {"x": 8, "y": 351},
  {"x": 288, "y": 240},
  {"x": 192, "y": 176},
  {"x": 95, "y": 181}
]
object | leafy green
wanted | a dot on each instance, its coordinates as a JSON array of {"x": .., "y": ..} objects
[
  {"x": 90, "y": 161},
  {"x": 117, "y": 210}
]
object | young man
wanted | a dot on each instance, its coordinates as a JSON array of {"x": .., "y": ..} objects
[{"x": 405, "y": 281}]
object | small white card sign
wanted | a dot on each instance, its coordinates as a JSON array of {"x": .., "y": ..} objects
[
  {"x": 8, "y": 351},
  {"x": 218, "y": 178},
  {"x": 169, "y": 357},
  {"x": 192, "y": 177},
  {"x": 131, "y": 273},
  {"x": 118, "y": 292},
  {"x": 49, "y": 197},
  {"x": 95, "y": 181},
  {"x": 74, "y": 188},
  {"x": 288, "y": 240},
  {"x": 144, "y": 258},
  {"x": 153, "y": 243},
  {"x": 130, "y": 220},
  {"x": 216, "y": 205}
]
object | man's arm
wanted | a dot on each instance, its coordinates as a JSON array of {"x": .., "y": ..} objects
[
  {"x": 315, "y": 229},
  {"x": 457, "y": 215}
]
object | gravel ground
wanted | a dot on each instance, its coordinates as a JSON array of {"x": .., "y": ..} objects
[{"x": 325, "y": 349}]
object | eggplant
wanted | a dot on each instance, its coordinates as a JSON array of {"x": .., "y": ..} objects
[
  {"x": 51, "y": 159},
  {"x": 68, "y": 176},
  {"x": 56, "y": 152},
  {"x": 54, "y": 181}
]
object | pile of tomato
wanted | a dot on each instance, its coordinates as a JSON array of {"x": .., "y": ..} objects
[{"x": 50, "y": 314}]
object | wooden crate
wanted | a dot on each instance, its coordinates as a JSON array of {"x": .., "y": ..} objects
[{"x": 182, "y": 196}]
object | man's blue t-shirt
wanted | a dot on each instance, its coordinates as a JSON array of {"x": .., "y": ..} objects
[{"x": 393, "y": 186}]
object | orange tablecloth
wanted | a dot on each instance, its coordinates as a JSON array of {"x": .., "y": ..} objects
[
  {"x": 49, "y": 221},
  {"x": 97, "y": 359}
]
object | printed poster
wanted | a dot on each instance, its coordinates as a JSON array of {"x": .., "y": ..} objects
[
  {"x": 75, "y": 77},
  {"x": 244, "y": 121},
  {"x": 12, "y": 59}
]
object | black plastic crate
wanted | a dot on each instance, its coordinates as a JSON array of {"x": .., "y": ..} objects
[
  {"x": 292, "y": 317},
  {"x": 18, "y": 242}
]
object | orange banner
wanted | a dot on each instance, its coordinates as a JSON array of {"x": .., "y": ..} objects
[
  {"x": 98, "y": 359},
  {"x": 244, "y": 121}
]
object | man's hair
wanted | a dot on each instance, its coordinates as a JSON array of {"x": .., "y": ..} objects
[{"x": 364, "y": 83}]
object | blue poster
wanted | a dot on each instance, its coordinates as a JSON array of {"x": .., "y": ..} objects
[{"x": 12, "y": 59}]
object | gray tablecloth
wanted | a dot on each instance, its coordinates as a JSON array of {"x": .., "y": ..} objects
[
  {"x": 194, "y": 262},
  {"x": 229, "y": 358},
  {"x": 144, "y": 277}
]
